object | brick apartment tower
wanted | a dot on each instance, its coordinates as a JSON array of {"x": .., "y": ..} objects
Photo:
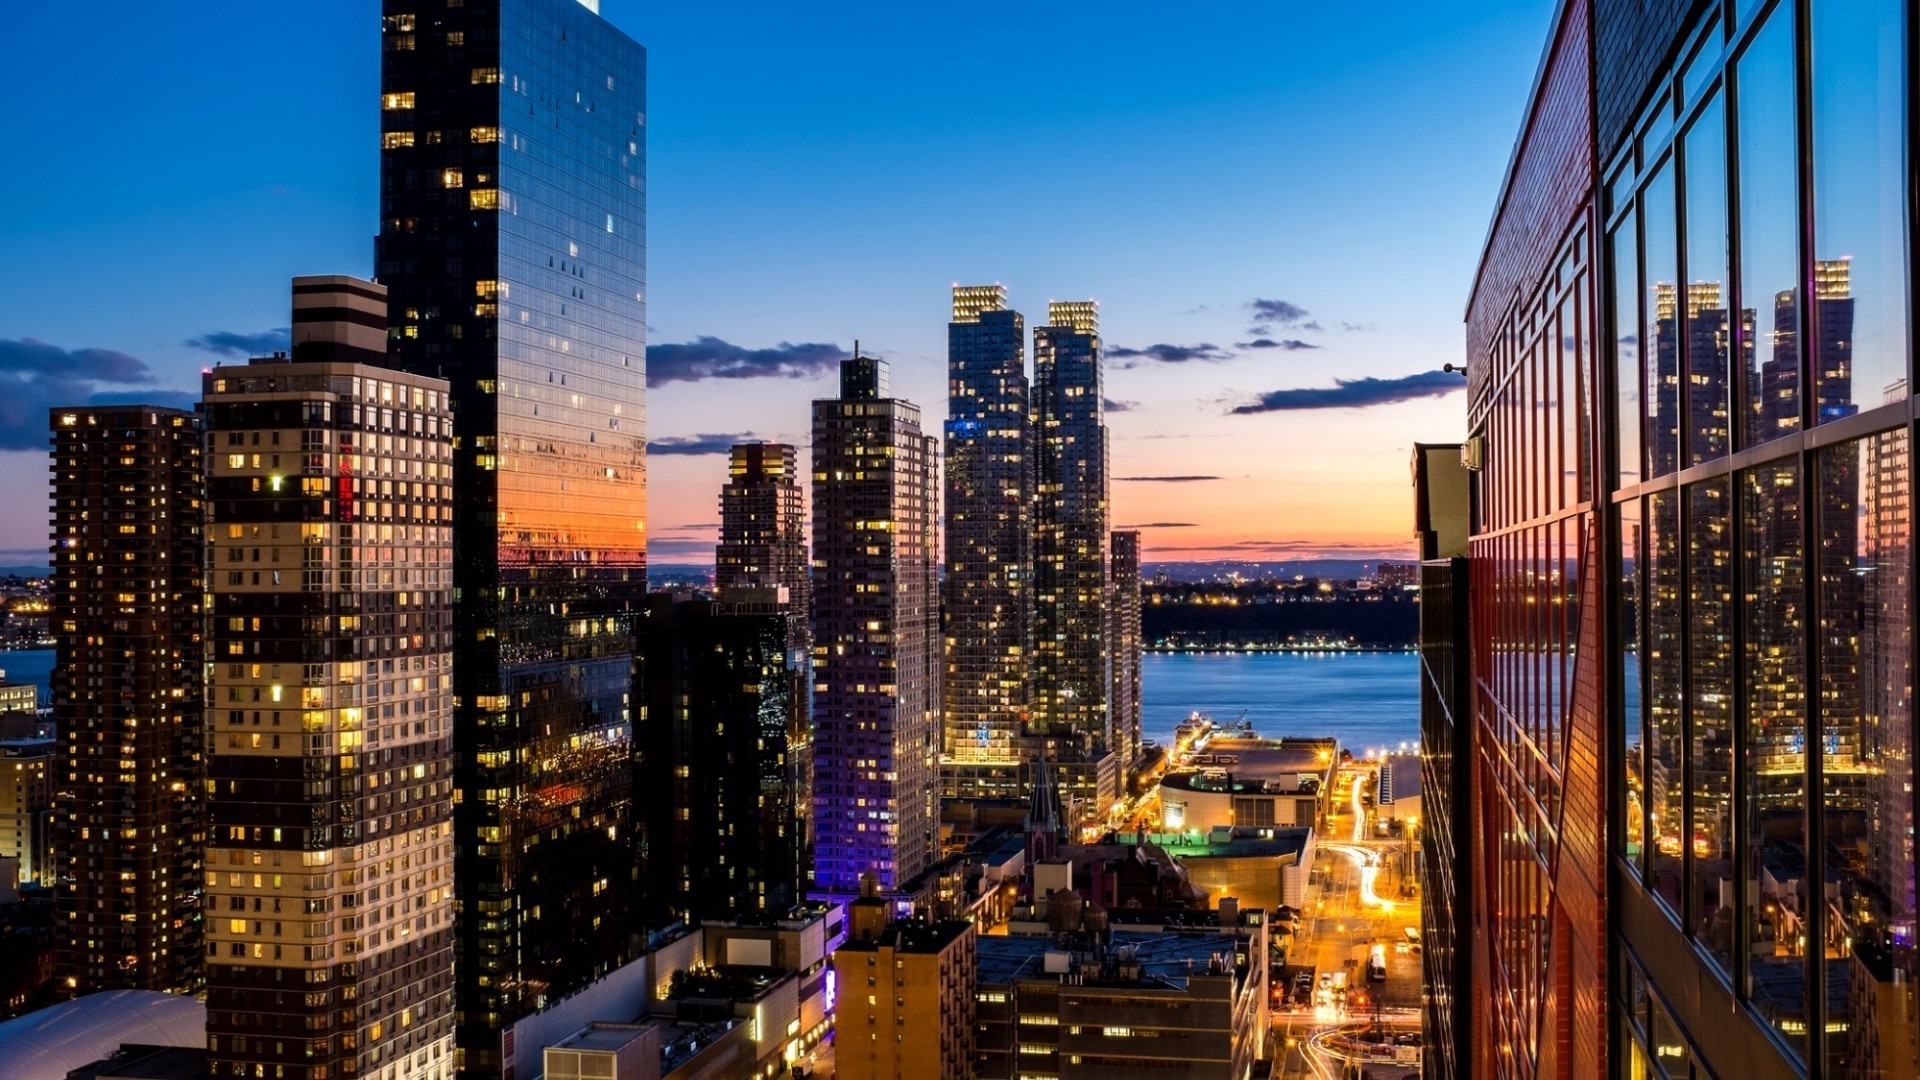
[
  {"x": 127, "y": 594},
  {"x": 330, "y": 723}
]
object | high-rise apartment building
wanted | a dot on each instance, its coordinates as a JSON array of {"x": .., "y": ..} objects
[
  {"x": 1123, "y": 617},
  {"x": 1072, "y": 675},
  {"x": 988, "y": 611},
  {"x": 1689, "y": 357},
  {"x": 876, "y": 614},
  {"x": 763, "y": 527},
  {"x": 718, "y": 799},
  {"x": 761, "y": 562},
  {"x": 512, "y": 240},
  {"x": 330, "y": 716},
  {"x": 127, "y": 595}
]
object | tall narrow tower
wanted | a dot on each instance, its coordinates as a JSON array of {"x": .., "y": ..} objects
[
  {"x": 875, "y": 627},
  {"x": 1072, "y": 677},
  {"x": 512, "y": 240},
  {"x": 1123, "y": 617},
  {"x": 127, "y": 595},
  {"x": 330, "y": 853},
  {"x": 988, "y": 614}
]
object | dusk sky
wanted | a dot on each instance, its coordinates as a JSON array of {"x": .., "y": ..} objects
[{"x": 1263, "y": 197}]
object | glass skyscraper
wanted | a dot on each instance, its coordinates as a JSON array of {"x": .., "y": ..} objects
[
  {"x": 1683, "y": 802},
  {"x": 1071, "y": 674},
  {"x": 512, "y": 242},
  {"x": 988, "y": 616}
]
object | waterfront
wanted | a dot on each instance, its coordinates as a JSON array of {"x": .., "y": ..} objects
[{"x": 1367, "y": 700}]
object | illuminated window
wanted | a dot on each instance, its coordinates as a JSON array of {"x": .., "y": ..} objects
[
  {"x": 397, "y": 22},
  {"x": 394, "y": 140},
  {"x": 483, "y": 199},
  {"x": 456, "y": 38},
  {"x": 486, "y": 76},
  {"x": 486, "y": 133},
  {"x": 453, "y": 178},
  {"x": 391, "y": 102}
]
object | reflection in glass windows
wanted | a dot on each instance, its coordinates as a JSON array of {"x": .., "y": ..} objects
[
  {"x": 1661, "y": 310},
  {"x": 1708, "y": 333},
  {"x": 1866, "y": 765},
  {"x": 1774, "y": 678},
  {"x": 1709, "y": 624},
  {"x": 1859, "y": 199},
  {"x": 1630, "y": 689},
  {"x": 1666, "y": 737},
  {"x": 1626, "y": 342},
  {"x": 1769, "y": 222}
]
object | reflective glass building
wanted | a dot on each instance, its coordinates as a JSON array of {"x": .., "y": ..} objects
[
  {"x": 512, "y": 242},
  {"x": 1690, "y": 799},
  {"x": 988, "y": 611},
  {"x": 1071, "y": 674}
]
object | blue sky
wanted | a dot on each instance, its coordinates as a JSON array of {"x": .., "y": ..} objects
[{"x": 819, "y": 173}]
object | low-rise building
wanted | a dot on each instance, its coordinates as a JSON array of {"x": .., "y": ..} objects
[
  {"x": 906, "y": 1000},
  {"x": 26, "y": 807},
  {"x": 1135, "y": 1001}
]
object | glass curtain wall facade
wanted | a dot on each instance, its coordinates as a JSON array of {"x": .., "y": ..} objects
[
  {"x": 512, "y": 241},
  {"x": 1759, "y": 293},
  {"x": 1071, "y": 664},
  {"x": 988, "y": 613},
  {"x": 1750, "y": 197}
]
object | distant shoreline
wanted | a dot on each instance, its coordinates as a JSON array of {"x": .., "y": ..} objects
[{"x": 1228, "y": 650}]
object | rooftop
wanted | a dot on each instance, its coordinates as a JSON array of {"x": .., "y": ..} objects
[
  {"x": 603, "y": 1036},
  {"x": 915, "y": 937},
  {"x": 1166, "y": 960},
  {"x": 1245, "y": 843}
]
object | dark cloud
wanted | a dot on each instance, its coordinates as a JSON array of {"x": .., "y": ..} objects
[
  {"x": 1171, "y": 354},
  {"x": 244, "y": 346},
  {"x": 1115, "y": 405},
  {"x": 704, "y": 443},
  {"x": 1161, "y": 525},
  {"x": 1310, "y": 327},
  {"x": 37, "y": 377},
  {"x": 711, "y": 358},
  {"x": 1163, "y": 479},
  {"x": 1279, "y": 312},
  {"x": 1289, "y": 344},
  {"x": 1356, "y": 393}
]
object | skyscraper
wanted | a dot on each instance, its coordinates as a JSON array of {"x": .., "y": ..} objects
[
  {"x": 1689, "y": 356},
  {"x": 763, "y": 526},
  {"x": 330, "y": 773},
  {"x": 1071, "y": 662},
  {"x": 1123, "y": 615},
  {"x": 127, "y": 595},
  {"x": 718, "y": 799},
  {"x": 988, "y": 614},
  {"x": 761, "y": 564},
  {"x": 876, "y": 640},
  {"x": 512, "y": 240}
]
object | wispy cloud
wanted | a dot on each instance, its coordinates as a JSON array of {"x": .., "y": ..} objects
[
  {"x": 243, "y": 346},
  {"x": 1171, "y": 354},
  {"x": 705, "y": 443},
  {"x": 37, "y": 377},
  {"x": 712, "y": 358},
  {"x": 1115, "y": 405},
  {"x": 1356, "y": 327},
  {"x": 1356, "y": 393},
  {"x": 1163, "y": 479},
  {"x": 1288, "y": 344},
  {"x": 1277, "y": 312},
  {"x": 1161, "y": 525}
]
